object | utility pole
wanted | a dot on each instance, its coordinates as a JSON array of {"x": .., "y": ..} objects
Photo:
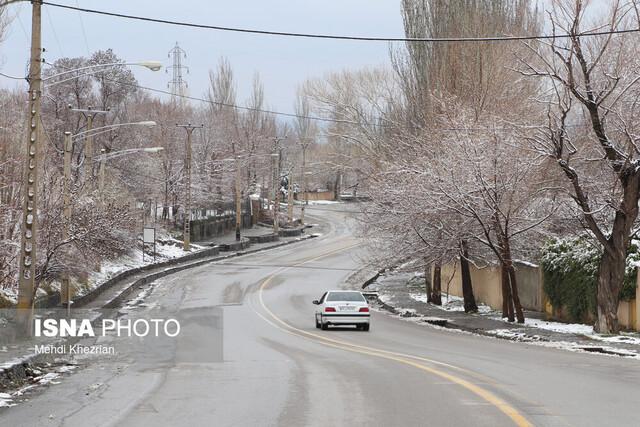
[
  {"x": 65, "y": 289},
  {"x": 290, "y": 196},
  {"x": 29, "y": 224},
  {"x": 276, "y": 182},
  {"x": 90, "y": 114},
  {"x": 238, "y": 200},
  {"x": 187, "y": 166},
  {"x": 103, "y": 160},
  {"x": 304, "y": 181}
]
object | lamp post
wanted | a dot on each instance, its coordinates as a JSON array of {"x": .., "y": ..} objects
[
  {"x": 276, "y": 181},
  {"x": 276, "y": 192},
  {"x": 65, "y": 289},
  {"x": 238, "y": 200},
  {"x": 290, "y": 196},
  {"x": 104, "y": 156},
  {"x": 187, "y": 165},
  {"x": 89, "y": 113},
  {"x": 304, "y": 181},
  {"x": 29, "y": 221}
]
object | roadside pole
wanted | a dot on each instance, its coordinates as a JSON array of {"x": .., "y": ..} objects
[
  {"x": 29, "y": 222},
  {"x": 103, "y": 160},
  {"x": 65, "y": 289},
  {"x": 187, "y": 165},
  {"x": 276, "y": 209},
  {"x": 276, "y": 198},
  {"x": 238, "y": 200},
  {"x": 290, "y": 198},
  {"x": 304, "y": 182},
  {"x": 90, "y": 114}
]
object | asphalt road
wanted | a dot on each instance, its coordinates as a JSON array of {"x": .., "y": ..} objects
[{"x": 249, "y": 355}]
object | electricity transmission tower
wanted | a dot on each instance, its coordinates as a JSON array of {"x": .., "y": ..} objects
[{"x": 177, "y": 86}]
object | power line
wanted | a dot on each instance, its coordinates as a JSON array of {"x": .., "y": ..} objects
[
  {"x": 12, "y": 77},
  {"x": 342, "y": 37},
  {"x": 276, "y": 113},
  {"x": 84, "y": 33},
  {"x": 222, "y": 104},
  {"x": 55, "y": 34}
]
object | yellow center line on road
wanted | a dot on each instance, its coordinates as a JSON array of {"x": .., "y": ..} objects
[{"x": 486, "y": 395}]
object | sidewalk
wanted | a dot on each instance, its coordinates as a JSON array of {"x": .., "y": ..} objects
[{"x": 404, "y": 295}]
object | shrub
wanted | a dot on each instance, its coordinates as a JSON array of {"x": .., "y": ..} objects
[{"x": 570, "y": 268}]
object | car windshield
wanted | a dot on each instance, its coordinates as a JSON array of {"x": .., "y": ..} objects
[{"x": 345, "y": 296}]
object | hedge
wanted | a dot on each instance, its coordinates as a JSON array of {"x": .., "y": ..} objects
[{"x": 570, "y": 268}]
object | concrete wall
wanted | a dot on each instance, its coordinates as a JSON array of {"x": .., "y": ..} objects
[
  {"x": 487, "y": 288},
  {"x": 627, "y": 314},
  {"x": 487, "y": 284},
  {"x": 316, "y": 195},
  {"x": 530, "y": 286}
]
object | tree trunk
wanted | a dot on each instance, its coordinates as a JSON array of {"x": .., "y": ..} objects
[
  {"x": 610, "y": 276},
  {"x": 470, "y": 305},
  {"x": 514, "y": 292},
  {"x": 427, "y": 281},
  {"x": 507, "y": 301},
  {"x": 436, "y": 297}
]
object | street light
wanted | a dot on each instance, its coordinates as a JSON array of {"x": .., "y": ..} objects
[
  {"x": 151, "y": 65},
  {"x": 103, "y": 129},
  {"x": 276, "y": 192},
  {"x": 91, "y": 132},
  {"x": 187, "y": 164},
  {"x": 65, "y": 289},
  {"x": 115, "y": 154}
]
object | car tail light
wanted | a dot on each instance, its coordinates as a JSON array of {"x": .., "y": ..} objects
[
  {"x": 364, "y": 309},
  {"x": 329, "y": 309}
]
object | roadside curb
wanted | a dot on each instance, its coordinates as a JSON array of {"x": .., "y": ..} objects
[
  {"x": 444, "y": 322},
  {"x": 16, "y": 370},
  {"x": 155, "y": 276}
]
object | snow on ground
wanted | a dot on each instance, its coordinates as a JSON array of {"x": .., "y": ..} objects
[
  {"x": 520, "y": 336},
  {"x": 9, "y": 294},
  {"x": 138, "y": 301},
  {"x": 450, "y": 303},
  {"x": 166, "y": 248},
  {"x": 323, "y": 202},
  {"x": 563, "y": 328},
  {"x": 624, "y": 338},
  {"x": 580, "y": 329},
  {"x": 6, "y": 400}
]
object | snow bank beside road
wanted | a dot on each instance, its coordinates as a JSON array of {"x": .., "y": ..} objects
[{"x": 166, "y": 248}]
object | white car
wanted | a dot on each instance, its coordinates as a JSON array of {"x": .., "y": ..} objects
[{"x": 337, "y": 308}]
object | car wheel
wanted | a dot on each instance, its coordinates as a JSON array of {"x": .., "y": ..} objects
[
  {"x": 317, "y": 323},
  {"x": 324, "y": 326},
  {"x": 365, "y": 327}
]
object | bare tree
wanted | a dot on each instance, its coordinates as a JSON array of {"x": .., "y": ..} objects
[{"x": 591, "y": 131}]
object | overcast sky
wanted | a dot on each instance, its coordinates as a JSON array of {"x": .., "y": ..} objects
[{"x": 282, "y": 62}]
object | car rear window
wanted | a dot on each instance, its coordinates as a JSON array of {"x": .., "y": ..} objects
[{"x": 345, "y": 296}]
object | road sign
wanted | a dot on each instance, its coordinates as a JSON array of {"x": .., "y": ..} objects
[{"x": 149, "y": 238}]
